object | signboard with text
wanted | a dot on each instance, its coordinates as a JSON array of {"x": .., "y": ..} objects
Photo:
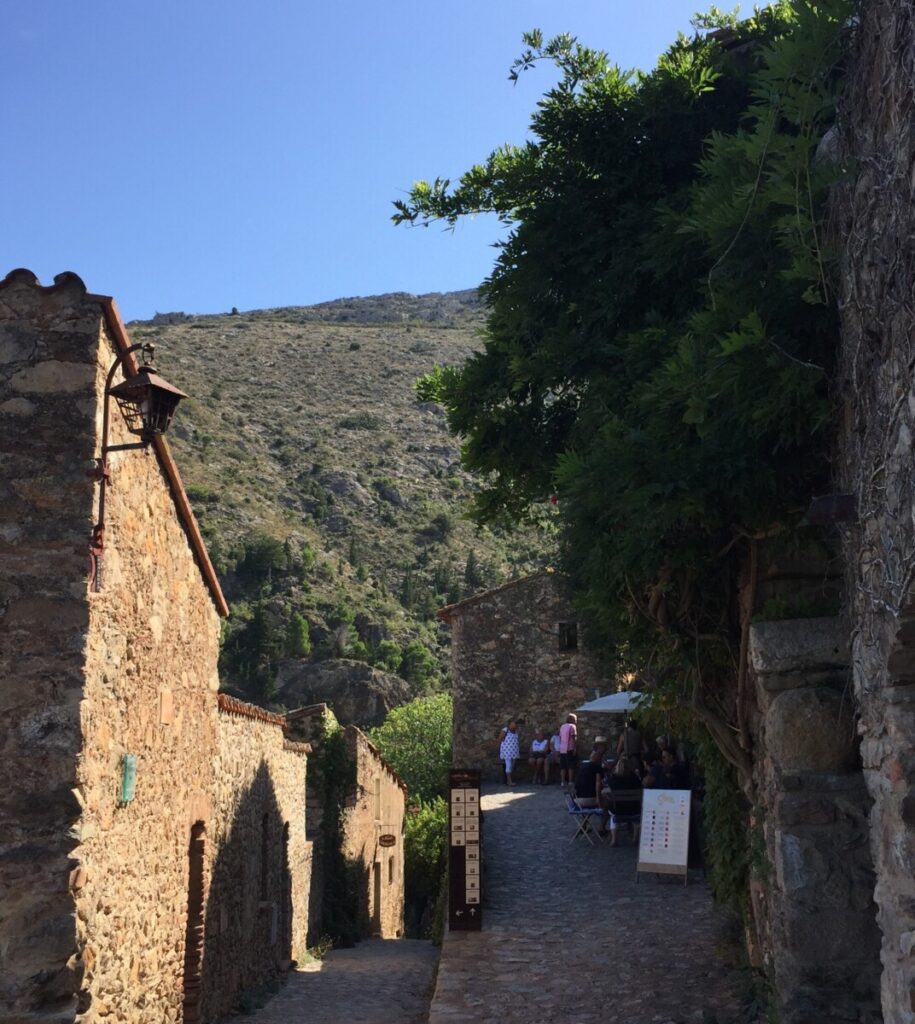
[
  {"x": 464, "y": 851},
  {"x": 664, "y": 837}
]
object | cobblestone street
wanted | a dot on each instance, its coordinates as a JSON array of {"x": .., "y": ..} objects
[
  {"x": 568, "y": 934},
  {"x": 376, "y": 982}
]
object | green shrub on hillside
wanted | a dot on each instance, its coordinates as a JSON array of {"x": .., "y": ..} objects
[
  {"x": 360, "y": 421},
  {"x": 419, "y": 666},
  {"x": 260, "y": 556},
  {"x": 388, "y": 656}
]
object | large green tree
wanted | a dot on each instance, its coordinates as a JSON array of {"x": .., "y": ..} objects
[
  {"x": 415, "y": 739},
  {"x": 660, "y": 331}
]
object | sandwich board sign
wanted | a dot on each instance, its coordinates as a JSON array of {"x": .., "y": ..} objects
[
  {"x": 664, "y": 836},
  {"x": 464, "y": 852}
]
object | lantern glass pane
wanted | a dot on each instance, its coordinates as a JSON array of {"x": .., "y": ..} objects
[
  {"x": 147, "y": 410},
  {"x": 130, "y": 406}
]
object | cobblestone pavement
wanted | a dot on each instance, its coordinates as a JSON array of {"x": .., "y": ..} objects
[
  {"x": 569, "y": 936},
  {"x": 376, "y": 982}
]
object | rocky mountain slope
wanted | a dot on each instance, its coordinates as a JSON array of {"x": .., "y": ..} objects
[{"x": 328, "y": 494}]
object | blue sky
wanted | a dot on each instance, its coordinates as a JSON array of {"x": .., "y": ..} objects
[{"x": 197, "y": 155}]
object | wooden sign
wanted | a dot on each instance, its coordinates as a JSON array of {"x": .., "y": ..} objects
[
  {"x": 386, "y": 839},
  {"x": 464, "y": 852},
  {"x": 664, "y": 838}
]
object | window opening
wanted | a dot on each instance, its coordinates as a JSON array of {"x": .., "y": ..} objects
[{"x": 568, "y": 636}]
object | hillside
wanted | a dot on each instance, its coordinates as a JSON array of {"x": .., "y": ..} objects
[{"x": 328, "y": 494}]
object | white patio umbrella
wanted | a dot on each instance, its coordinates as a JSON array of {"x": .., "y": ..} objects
[{"x": 615, "y": 703}]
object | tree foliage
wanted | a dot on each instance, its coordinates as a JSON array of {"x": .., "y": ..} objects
[
  {"x": 425, "y": 854},
  {"x": 660, "y": 331},
  {"x": 415, "y": 739}
]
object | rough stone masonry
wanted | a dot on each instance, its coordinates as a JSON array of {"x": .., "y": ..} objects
[
  {"x": 107, "y": 907},
  {"x": 516, "y": 653}
]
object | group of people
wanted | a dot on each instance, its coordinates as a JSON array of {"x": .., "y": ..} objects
[
  {"x": 559, "y": 751},
  {"x": 633, "y": 765},
  {"x": 614, "y": 783}
]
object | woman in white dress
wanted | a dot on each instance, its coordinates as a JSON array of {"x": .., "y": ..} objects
[{"x": 509, "y": 749}]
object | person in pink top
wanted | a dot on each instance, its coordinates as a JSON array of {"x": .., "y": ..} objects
[{"x": 568, "y": 749}]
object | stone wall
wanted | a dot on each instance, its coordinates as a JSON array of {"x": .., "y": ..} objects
[
  {"x": 104, "y": 902},
  {"x": 813, "y": 889},
  {"x": 149, "y": 691},
  {"x": 256, "y": 918},
  {"x": 375, "y": 808},
  {"x": 875, "y": 217},
  {"x": 507, "y": 662},
  {"x": 49, "y": 342}
]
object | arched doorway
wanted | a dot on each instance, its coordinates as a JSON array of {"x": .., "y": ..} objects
[{"x": 193, "y": 936}]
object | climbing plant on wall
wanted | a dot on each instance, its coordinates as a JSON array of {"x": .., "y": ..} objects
[{"x": 660, "y": 332}]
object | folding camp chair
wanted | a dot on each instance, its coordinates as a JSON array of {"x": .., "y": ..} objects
[{"x": 583, "y": 816}]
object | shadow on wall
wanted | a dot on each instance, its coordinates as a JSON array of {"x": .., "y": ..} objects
[
  {"x": 340, "y": 888},
  {"x": 239, "y": 939},
  {"x": 345, "y": 909}
]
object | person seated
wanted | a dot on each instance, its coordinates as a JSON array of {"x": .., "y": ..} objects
[
  {"x": 600, "y": 745},
  {"x": 667, "y": 773},
  {"x": 588, "y": 785},
  {"x": 622, "y": 794},
  {"x": 625, "y": 775},
  {"x": 540, "y": 758}
]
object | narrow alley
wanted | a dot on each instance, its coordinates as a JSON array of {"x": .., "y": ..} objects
[{"x": 568, "y": 934}]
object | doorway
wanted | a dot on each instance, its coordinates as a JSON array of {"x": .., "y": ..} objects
[
  {"x": 193, "y": 936},
  {"x": 376, "y": 900}
]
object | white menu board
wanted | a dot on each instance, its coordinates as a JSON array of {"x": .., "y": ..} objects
[{"x": 664, "y": 837}]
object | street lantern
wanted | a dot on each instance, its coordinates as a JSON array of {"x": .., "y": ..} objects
[{"x": 147, "y": 403}]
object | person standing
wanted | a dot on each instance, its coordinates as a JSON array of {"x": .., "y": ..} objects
[
  {"x": 554, "y": 754},
  {"x": 568, "y": 749},
  {"x": 630, "y": 743},
  {"x": 509, "y": 749}
]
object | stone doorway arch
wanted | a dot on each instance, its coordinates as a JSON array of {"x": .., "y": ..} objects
[{"x": 194, "y": 931}]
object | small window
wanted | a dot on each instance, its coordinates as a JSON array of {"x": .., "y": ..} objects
[
  {"x": 568, "y": 636},
  {"x": 377, "y": 798},
  {"x": 390, "y": 870}
]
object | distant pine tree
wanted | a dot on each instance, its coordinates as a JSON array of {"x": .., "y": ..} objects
[
  {"x": 408, "y": 590},
  {"x": 473, "y": 577},
  {"x": 298, "y": 636}
]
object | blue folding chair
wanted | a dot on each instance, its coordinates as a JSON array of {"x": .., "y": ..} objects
[{"x": 583, "y": 815}]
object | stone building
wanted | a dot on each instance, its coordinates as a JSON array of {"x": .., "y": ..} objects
[
  {"x": 373, "y": 835},
  {"x": 131, "y": 799},
  {"x": 256, "y": 913},
  {"x": 369, "y": 832},
  {"x": 517, "y": 653}
]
